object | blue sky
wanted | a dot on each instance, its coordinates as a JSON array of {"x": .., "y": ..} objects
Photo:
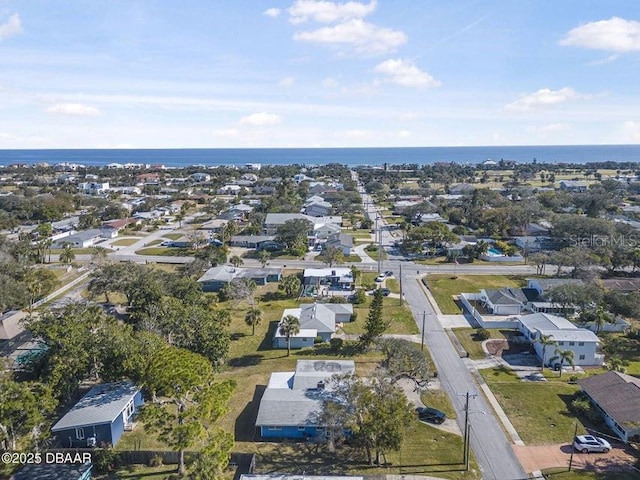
[{"x": 307, "y": 73}]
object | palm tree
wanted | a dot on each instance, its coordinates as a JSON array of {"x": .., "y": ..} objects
[
  {"x": 545, "y": 341},
  {"x": 67, "y": 256},
  {"x": 264, "y": 257},
  {"x": 236, "y": 261},
  {"x": 99, "y": 255},
  {"x": 565, "y": 356},
  {"x": 601, "y": 318},
  {"x": 615, "y": 364},
  {"x": 289, "y": 326},
  {"x": 253, "y": 318}
]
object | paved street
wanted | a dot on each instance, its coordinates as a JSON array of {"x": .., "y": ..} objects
[{"x": 488, "y": 442}]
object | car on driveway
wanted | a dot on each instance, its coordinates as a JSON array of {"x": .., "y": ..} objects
[
  {"x": 380, "y": 278},
  {"x": 385, "y": 292},
  {"x": 589, "y": 443},
  {"x": 388, "y": 273},
  {"x": 431, "y": 415}
]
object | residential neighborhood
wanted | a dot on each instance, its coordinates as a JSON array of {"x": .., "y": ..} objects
[{"x": 290, "y": 317}]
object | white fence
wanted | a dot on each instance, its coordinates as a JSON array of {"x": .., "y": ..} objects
[{"x": 490, "y": 322}]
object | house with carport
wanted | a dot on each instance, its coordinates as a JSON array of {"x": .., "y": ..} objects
[{"x": 317, "y": 320}]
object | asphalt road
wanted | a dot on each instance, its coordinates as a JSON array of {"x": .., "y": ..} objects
[{"x": 492, "y": 450}]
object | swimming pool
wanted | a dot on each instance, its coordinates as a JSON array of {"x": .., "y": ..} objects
[{"x": 494, "y": 252}]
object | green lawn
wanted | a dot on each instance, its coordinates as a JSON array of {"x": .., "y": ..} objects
[
  {"x": 124, "y": 242},
  {"x": 472, "y": 344},
  {"x": 393, "y": 284},
  {"x": 140, "y": 472},
  {"x": 627, "y": 348},
  {"x": 444, "y": 286},
  {"x": 402, "y": 321},
  {"x": 364, "y": 234},
  {"x": 440, "y": 400},
  {"x": 166, "y": 251},
  {"x": 372, "y": 250},
  {"x": 538, "y": 411},
  {"x": 346, "y": 259},
  {"x": 173, "y": 236},
  {"x": 425, "y": 451}
]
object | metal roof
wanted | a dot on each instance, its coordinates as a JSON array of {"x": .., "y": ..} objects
[{"x": 101, "y": 405}]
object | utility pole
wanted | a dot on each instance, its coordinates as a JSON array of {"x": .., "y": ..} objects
[
  {"x": 401, "y": 294},
  {"x": 424, "y": 318},
  {"x": 466, "y": 449},
  {"x": 380, "y": 247},
  {"x": 573, "y": 447}
]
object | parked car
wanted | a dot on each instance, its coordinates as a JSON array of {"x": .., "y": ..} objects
[
  {"x": 589, "y": 443},
  {"x": 431, "y": 415},
  {"x": 380, "y": 278},
  {"x": 385, "y": 292},
  {"x": 388, "y": 273}
]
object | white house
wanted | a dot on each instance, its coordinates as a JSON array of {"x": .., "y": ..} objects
[
  {"x": 201, "y": 177},
  {"x": 584, "y": 343},
  {"x": 93, "y": 188},
  {"x": 316, "y": 320},
  {"x": 82, "y": 239}
]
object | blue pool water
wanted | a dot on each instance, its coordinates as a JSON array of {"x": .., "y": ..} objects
[{"x": 494, "y": 252}]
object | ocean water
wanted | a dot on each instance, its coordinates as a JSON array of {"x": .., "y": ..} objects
[{"x": 319, "y": 156}]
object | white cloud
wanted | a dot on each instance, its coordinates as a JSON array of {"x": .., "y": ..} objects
[
  {"x": 330, "y": 82},
  {"x": 261, "y": 119},
  {"x": 614, "y": 35},
  {"x": 404, "y": 133},
  {"x": 73, "y": 109},
  {"x": 11, "y": 27},
  {"x": 287, "y": 82},
  {"x": 545, "y": 97},
  {"x": 550, "y": 128},
  {"x": 364, "y": 38},
  {"x": 360, "y": 134},
  {"x": 405, "y": 73},
  {"x": 226, "y": 132},
  {"x": 631, "y": 131},
  {"x": 328, "y": 12},
  {"x": 272, "y": 12}
]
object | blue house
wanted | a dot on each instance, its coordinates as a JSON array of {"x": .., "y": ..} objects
[
  {"x": 101, "y": 416},
  {"x": 54, "y": 471},
  {"x": 292, "y": 402}
]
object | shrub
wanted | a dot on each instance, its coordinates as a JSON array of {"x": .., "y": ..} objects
[
  {"x": 337, "y": 299},
  {"x": 106, "y": 460},
  {"x": 354, "y": 316},
  {"x": 483, "y": 334},
  {"x": 359, "y": 297},
  {"x": 581, "y": 406},
  {"x": 336, "y": 344},
  {"x": 156, "y": 461},
  {"x": 317, "y": 340}
]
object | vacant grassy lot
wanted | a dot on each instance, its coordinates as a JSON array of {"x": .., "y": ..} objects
[
  {"x": 440, "y": 400},
  {"x": 443, "y": 287},
  {"x": 401, "y": 318},
  {"x": 347, "y": 259},
  {"x": 539, "y": 411},
  {"x": 166, "y": 251},
  {"x": 393, "y": 284},
  {"x": 124, "y": 242},
  {"x": 173, "y": 236},
  {"x": 472, "y": 344}
]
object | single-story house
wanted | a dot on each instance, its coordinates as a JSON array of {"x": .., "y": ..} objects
[
  {"x": 273, "y": 220},
  {"x": 11, "y": 324},
  {"x": 341, "y": 241},
  {"x": 462, "y": 189},
  {"x": 82, "y": 239},
  {"x": 617, "y": 397},
  {"x": 292, "y": 402},
  {"x": 622, "y": 284},
  {"x": 400, "y": 206},
  {"x": 100, "y": 417},
  {"x": 573, "y": 186},
  {"x": 201, "y": 177},
  {"x": 584, "y": 343},
  {"x": 217, "y": 277},
  {"x": 336, "y": 277},
  {"x": 316, "y": 320},
  {"x": 229, "y": 190},
  {"x": 55, "y": 471},
  {"x": 543, "y": 285},
  {"x": 250, "y": 241},
  {"x": 318, "y": 208},
  {"x": 505, "y": 301},
  {"x": 533, "y": 244}
]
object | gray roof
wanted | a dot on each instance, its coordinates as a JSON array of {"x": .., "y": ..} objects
[
  {"x": 558, "y": 328},
  {"x": 506, "y": 296},
  {"x": 252, "y": 238},
  {"x": 547, "y": 283},
  {"x": 224, "y": 273},
  {"x": 83, "y": 235},
  {"x": 51, "y": 471},
  {"x": 101, "y": 405},
  {"x": 318, "y": 317},
  {"x": 301, "y": 402},
  {"x": 340, "y": 239},
  {"x": 617, "y": 394}
]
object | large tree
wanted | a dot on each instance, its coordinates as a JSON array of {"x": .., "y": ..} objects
[
  {"x": 290, "y": 285},
  {"x": 404, "y": 359},
  {"x": 332, "y": 255},
  {"x": 293, "y": 235},
  {"x": 376, "y": 324},
  {"x": 252, "y": 318},
  {"x": 186, "y": 401},
  {"x": 374, "y": 411}
]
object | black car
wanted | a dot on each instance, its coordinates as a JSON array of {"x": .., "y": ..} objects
[
  {"x": 385, "y": 292},
  {"x": 389, "y": 273},
  {"x": 431, "y": 415}
]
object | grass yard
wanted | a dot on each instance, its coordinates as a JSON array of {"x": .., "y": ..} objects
[
  {"x": 402, "y": 321},
  {"x": 140, "y": 472},
  {"x": 393, "y": 284},
  {"x": 372, "y": 250},
  {"x": 347, "y": 259},
  {"x": 627, "y": 348},
  {"x": 425, "y": 451},
  {"x": 125, "y": 242},
  {"x": 440, "y": 400},
  {"x": 173, "y": 236},
  {"x": 444, "y": 286},
  {"x": 538, "y": 411},
  {"x": 563, "y": 474},
  {"x": 166, "y": 251},
  {"x": 364, "y": 234},
  {"x": 472, "y": 344}
]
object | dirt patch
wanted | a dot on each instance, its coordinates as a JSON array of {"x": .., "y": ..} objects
[
  {"x": 535, "y": 458},
  {"x": 496, "y": 346}
]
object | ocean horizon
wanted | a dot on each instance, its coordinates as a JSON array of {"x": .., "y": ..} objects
[{"x": 184, "y": 157}]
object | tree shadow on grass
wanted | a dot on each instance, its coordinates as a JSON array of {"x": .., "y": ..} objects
[
  {"x": 272, "y": 296},
  {"x": 245, "y": 361},
  {"x": 267, "y": 341},
  {"x": 245, "y": 426},
  {"x": 237, "y": 336}
]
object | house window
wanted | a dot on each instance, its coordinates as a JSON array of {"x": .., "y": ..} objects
[
  {"x": 128, "y": 411},
  {"x": 560, "y": 343},
  {"x": 581, "y": 357},
  {"x": 274, "y": 427},
  {"x": 80, "y": 433},
  {"x": 301, "y": 428},
  {"x": 581, "y": 344},
  {"x": 571, "y": 344}
]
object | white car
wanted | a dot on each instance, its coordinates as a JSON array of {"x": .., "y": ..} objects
[
  {"x": 589, "y": 443},
  {"x": 380, "y": 278}
]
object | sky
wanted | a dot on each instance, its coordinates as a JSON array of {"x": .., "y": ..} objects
[{"x": 309, "y": 73}]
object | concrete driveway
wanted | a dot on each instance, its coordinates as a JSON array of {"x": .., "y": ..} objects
[{"x": 535, "y": 458}]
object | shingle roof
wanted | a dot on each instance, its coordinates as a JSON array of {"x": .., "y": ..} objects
[
  {"x": 617, "y": 394},
  {"x": 51, "y": 471},
  {"x": 101, "y": 405},
  {"x": 506, "y": 296}
]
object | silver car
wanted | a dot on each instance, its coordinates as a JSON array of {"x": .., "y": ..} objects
[{"x": 589, "y": 443}]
